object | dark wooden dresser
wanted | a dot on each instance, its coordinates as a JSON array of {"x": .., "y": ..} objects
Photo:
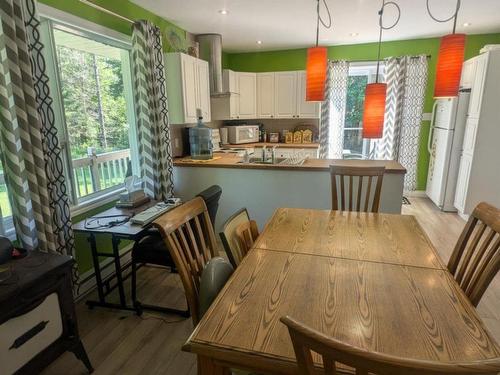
[{"x": 37, "y": 313}]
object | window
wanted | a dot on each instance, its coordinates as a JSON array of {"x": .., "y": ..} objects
[
  {"x": 92, "y": 91},
  {"x": 6, "y": 223},
  {"x": 355, "y": 147}
]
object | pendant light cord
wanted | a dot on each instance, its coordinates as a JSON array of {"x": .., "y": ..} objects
[
  {"x": 326, "y": 25},
  {"x": 382, "y": 27},
  {"x": 454, "y": 16}
]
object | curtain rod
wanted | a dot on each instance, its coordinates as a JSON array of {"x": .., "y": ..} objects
[
  {"x": 375, "y": 61},
  {"x": 91, "y": 4}
]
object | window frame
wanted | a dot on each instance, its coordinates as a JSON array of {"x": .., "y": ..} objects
[
  {"x": 52, "y": 19},
  {"x": 369, "y": 69}
]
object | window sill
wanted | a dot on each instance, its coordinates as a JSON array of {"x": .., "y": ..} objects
[{"x": 96, "y": 202}]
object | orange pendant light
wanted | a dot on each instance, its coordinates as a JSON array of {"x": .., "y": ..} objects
[
  {"x": 374, "y": 110},
  {"x": 316, "y": 73},
  {"x": 375, "y": 93},
  {"x": 449, "y": 65},
  {"x": 317, "y": 62}
]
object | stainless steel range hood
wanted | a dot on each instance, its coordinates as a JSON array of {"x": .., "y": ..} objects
[{"x": 211, "y": 51}]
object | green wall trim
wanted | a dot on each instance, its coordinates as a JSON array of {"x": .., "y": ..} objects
[{"x": 295, "y": 59}]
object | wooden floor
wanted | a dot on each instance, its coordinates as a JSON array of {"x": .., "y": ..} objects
[{"x": 122, "y": 343}]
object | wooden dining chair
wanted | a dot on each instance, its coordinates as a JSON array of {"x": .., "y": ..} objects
[
  {"x": 247, "y": 233},
  {"x": 476, "y": 257},
  {"x": 306, "y": 340},
  {"x": 359, "y": 197},
  {"x": 189, "y": 237},
  {"x": 229, "y": 238}
]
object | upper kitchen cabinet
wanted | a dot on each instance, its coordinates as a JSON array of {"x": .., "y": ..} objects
[
  {"x": 285, "y": 97},
  {"x": 188, "y": 88},
  {"x": 305, "y": 109},
  {"x": 468, "y": 72},
  {"x": 265, "y": 95},
  {"x": 247, "y": 98}
]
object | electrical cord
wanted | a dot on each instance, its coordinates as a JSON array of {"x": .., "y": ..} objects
[
  {"x": 381, "y": 13},
  {"x": 329, "y": 16},
  {"x": 109, "y": 224},
  {"x": 443, "y": 20}
]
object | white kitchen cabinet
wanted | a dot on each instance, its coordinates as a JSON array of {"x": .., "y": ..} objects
[
  {"x": 477, "y": 89},
  {"x": 187, "y": 88},
  {"x": 468, "y": 73},
  {"x": 247, "y": 98},
  {"x": 305, "y": 109},
  {"x": 462, "y": 182},
  {"x": 285, "y": 88},
  {"x": 203, "y": 86},
  {"x": 470, "y": 135},
  {"x": 479, "y": 172},
  {"x": 265, "y": 95}
]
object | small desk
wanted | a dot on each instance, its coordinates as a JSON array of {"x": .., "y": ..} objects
[
  {"x": 126, "y": 231},
  {"x": 386, "y": 238},
  {"x": 316, "y": 266}
]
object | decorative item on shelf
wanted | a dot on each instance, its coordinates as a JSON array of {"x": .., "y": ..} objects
[
  {"x": 450, "y": 59},
  {"x": 317, "y": 62},
  {"x": 307, "y": 136},
  {"x": 297, "y": 136},
  {"x": 311, "y": 127},
  {"x": 194, "y": 50},
  {"x": 274, "y": 137},
  {"x": 284, "y": 132},
  {"x": 375, "y": 93},
  {"x": 289, "y": 137}
]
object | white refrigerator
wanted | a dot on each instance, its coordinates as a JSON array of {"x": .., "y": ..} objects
[{"x": 445, "y": 147}]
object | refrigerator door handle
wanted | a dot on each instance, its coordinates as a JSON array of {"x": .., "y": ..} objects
[{"x": 431, "y": 130}]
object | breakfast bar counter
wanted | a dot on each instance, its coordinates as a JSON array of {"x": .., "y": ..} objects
[
  {"x": 262, "y": 188},
  {"x": 222, "y": 160}
]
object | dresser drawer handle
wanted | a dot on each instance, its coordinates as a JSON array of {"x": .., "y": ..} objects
[{"x": 21, "y": 340}]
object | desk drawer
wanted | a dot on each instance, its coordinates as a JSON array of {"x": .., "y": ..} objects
[{"x": 24, "y": 336}]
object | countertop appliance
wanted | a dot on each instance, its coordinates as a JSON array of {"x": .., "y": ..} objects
[
  {"x": 243, "y": 134},
  {"x": 445, "y": 147}
]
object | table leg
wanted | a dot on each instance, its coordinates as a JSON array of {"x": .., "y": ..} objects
[
  {"x": 118, "y": 270},
  {"x": 207, "y": 366},
  {"x": 97, "y": 268}
]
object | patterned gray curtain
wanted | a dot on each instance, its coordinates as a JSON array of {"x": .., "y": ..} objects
[
  {"x": 331, "y": 131},
  {"x": 31, "y": 154},
  {"x": 406, "y": 79},
  {"x": 151, "y": 108}
]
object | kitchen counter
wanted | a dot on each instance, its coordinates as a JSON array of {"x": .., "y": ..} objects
[
  {"x": 263, "y": 188},
  {"x": 222, "y": 160},
  {"x": 268, "y": 144}
]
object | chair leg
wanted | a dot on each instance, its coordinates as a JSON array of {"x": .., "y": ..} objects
[{"x": 134, "y": 282}]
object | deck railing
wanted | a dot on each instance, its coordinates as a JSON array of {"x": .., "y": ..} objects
[{"x": 97, "y": 172}]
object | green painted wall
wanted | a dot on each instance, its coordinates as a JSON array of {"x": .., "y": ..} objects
[
  {"x": 174, "y": 39},
  {"x": 296, "y": 59}
]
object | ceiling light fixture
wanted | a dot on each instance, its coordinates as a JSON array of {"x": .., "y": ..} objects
[
  {"x": 259, "y": 42},
  {"x": 467, "y": 24},
  {"x": 450, "y": 59},
  {"x": 317, "y": 62},
  {"x": 375, "y": 93},
  {"x": 353, "y": 34},
  {"x": 223, "y": 11}
]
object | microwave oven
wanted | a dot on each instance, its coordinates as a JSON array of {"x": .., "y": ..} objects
[{"x": 243, "y": 134}]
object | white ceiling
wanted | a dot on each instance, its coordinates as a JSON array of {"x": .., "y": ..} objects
[{"x": 282, "y": 24}]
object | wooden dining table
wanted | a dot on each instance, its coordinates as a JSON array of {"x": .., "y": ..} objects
[{"x": 371, "y": 280}]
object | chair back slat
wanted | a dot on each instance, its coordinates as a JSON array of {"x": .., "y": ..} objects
[
  {"x": 356, "y": 176},
  {"x": 247, "y": 233},
  {"x": 229, "y": 238},
  {"x": 476, "y": 257},
  {"x": 306, "y": 340},
  {"x": 189, "y": 237}
]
